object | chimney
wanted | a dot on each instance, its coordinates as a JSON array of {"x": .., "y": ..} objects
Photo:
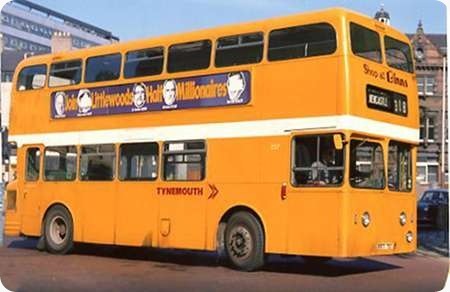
[{"x": 61, "y": 42}]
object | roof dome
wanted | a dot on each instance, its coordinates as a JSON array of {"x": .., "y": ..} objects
[{"x": 382, "y": 15}]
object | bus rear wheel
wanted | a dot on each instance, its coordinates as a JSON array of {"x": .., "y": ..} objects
[
  {"x": 58, "y": 230},
  {"x": 244, "y": 242}
]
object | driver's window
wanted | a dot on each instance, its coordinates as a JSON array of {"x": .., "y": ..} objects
[{"x": 316, "y": 161}]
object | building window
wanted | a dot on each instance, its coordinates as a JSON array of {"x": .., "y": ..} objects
[
  {"x": 427, "y": 129},
  {"x": 427, "y": 172},
  {"x": 184, "y": 161},
  {"x": 425, "y": 85}
]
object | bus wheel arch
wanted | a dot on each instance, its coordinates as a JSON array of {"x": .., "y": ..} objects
[
  {"x": 249, "y": 217},
  {"x": 57, "y": 230}
]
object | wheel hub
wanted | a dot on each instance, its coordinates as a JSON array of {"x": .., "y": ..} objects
[{"x": 240, "y": 242}]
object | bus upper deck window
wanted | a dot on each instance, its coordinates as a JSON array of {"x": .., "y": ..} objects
[
  {"x": 65, "y": 73},
  {"x": 302, "y": 41},
  {"x": 398, "y": 54},
  {"x": 144, "y": 62},
  {"x": 32, "y": 77},
  {"x": 365, "y": 42},
  {"x": 239, "y": 49},
  {"x": 103, "y": 68},
  {"x": 189, "y": 56}
]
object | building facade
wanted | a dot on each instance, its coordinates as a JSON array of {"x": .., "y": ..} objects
[
  {"x": 430, "y": 54},
  {"x": 27, "y": 28}
]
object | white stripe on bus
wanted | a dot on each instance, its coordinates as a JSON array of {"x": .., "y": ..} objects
[{"x": 261, "y": 128}]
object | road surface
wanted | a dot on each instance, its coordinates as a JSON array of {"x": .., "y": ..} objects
[{"x": 106, "y": 268}]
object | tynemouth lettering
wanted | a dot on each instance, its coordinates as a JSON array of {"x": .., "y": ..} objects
[
  {"x": 388, "y": 76},
  {"x": 179, "y": 191},
  {"x": 172, "y": 94}
]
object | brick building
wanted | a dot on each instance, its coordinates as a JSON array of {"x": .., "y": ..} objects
[{"x": 430, "y": 53}]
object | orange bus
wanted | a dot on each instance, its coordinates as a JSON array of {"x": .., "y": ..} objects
[{"x": 294, "y": 135}]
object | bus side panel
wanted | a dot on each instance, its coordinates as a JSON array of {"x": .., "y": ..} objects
[
  {"x": 296, "y": 88},
  {"x": 98, "y": 205},
  {"x": 136, "y": 213},
  {"x": 243, "y": 178}
]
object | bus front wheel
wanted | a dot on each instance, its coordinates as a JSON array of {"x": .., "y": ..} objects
[
  {"x": 58, "y": 230},
  {"x": 244, "y": 241}
]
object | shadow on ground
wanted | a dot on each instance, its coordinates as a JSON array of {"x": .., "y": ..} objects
[{"x": 182, "y": 259}]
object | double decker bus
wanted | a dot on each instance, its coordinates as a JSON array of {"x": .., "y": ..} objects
[{"x": 294, "y": 135}]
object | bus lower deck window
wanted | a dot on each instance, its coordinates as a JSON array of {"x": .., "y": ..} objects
[
  {"x": 97, "y": 162},
  {"x": 184, "y": 161},
  {"x": 60, "y": 163},
  {"x": 139, "y": 161}
]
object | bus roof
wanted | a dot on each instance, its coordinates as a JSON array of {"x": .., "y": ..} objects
[{"x": 260, "y": 25}]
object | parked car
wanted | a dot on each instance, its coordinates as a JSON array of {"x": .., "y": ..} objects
[{"x": 429, "y": 204}]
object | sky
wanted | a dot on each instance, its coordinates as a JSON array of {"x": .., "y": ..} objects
[{"x": 135, "y": 19}]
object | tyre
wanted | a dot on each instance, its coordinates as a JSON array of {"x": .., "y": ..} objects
[
  {"x": 244, "y": 242},
  {"x": 58, "y": 230}
]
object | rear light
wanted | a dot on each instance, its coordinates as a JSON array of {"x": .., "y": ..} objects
[
  {"x": 283, "y": 192},
  {"x": 11, "y": 197}
]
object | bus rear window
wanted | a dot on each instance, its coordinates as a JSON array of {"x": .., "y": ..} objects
[
  {"x": 189, "y": 56},
  {"x": 365, "y": 42},
  {"x": 398, "y": 54},
  {"x": 103, "y": 68},
  {"x": 302, "y": 41},
  {"x": 144, "y": 62},
  {"x": 239, "y": 49},
  {"x": 32, "y": 78}
]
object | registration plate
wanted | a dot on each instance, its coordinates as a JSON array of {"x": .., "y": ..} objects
[{"x": 385, "y": 246}]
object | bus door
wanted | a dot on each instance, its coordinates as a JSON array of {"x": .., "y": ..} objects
[
  {"x": 317, "y": 172},
  {"x": 31, "y": 158},
  {"x": 182, "y": 195},
  {"x": 98, "y": 192},
  {"x": 136, "y": 202}
]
